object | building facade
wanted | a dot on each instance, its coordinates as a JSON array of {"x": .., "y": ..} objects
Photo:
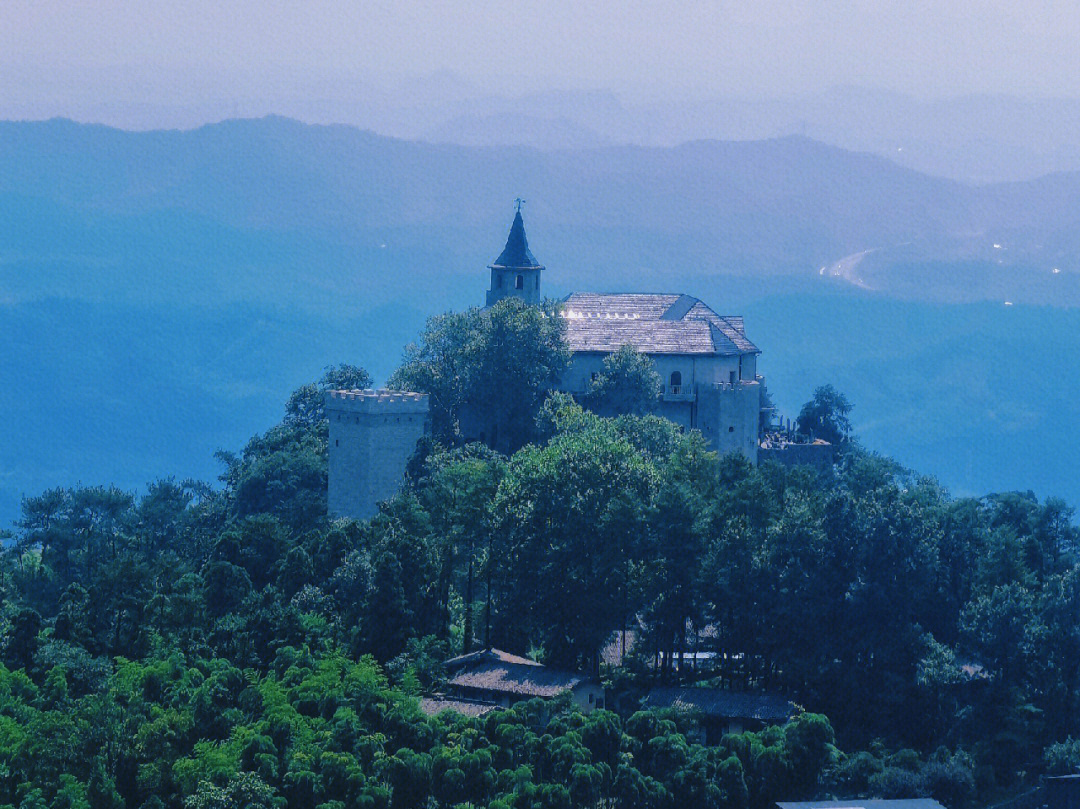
[
  {"x": 707, "y": 365},
  {"x": 706, "y": 362}
]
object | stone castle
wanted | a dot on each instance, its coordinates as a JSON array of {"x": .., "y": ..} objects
[{"x": 707, "y": 364}]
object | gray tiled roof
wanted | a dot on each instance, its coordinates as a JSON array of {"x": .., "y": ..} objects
[
  {"x": 516, "y": 254},
  {"x": 864, "y": 803},
  {"x": 720, "y": 702},
  {"x": 435, "y": 705},
  {"x": 652, "y": 323},
  {"x": 516, "y": 678},
  {"x": 487, "y": 656}
]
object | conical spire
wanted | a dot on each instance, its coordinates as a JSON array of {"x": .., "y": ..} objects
[{"x": 516, "y": 254}]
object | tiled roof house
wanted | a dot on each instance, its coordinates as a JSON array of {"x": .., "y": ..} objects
[{"x": 498, "y": 677}]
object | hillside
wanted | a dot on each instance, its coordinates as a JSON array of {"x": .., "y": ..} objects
[{"x": 162, "y": 291}]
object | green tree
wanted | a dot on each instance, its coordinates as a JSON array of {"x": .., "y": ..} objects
[
  {"x": 628, "y": 384},
  {"x": 487, "y": 371},
  {"x": 825, "y": 416},
  {"x": 306, "y": 406},
  {"x": 561, "y": 523}
]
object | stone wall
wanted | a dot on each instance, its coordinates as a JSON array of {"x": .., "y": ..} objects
[
  {"x": 818, "y": 455},
  {"x": 373, "y": 433},
  {"x": 728, "y": 417}
]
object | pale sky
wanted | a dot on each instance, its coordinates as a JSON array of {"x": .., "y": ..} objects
[{"x": 149, "y": 51}]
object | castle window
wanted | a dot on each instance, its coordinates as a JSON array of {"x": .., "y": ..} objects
[
  {"x": 731, "y": 429},
  {"x": 498, "y": 281},
  {"x": 731, "y": 377},
  {"x": 337, "y": 443},
  {"x": 538, "y": 282},
  {"x": 676, "y": 379},
  {"x": 520, "y": 283}
]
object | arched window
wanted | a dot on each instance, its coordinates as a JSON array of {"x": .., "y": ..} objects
[
  {"x": 520, "y": 282},
  {"x": 676, "y": 380}
]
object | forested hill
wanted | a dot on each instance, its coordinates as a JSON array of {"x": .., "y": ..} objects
[
  {"x": 203, "y": 648},
  {"x": 161, "y": 292}
]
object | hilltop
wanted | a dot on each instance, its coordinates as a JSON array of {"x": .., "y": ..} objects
[{"x": 163, "y": 291}]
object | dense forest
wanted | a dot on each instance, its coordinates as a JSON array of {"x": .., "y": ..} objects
[{"x": 231, "y": 646}]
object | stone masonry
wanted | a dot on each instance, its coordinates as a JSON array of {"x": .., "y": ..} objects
[{"x": 373, "y": 433}]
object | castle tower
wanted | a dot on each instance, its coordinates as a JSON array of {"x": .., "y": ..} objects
[
  {"x": 516, "y": 272},
  {"x": 373, "y": 434}
]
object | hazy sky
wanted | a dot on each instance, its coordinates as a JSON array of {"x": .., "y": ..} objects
[{"x": 146, "y": 50}]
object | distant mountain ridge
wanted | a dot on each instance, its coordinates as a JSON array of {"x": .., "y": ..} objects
[{"x": 785, "y": 206}]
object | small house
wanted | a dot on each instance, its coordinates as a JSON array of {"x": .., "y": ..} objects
[
  {"x": 723, "y": 711},
  {"x": 500, "y": 678},
  {"x": 860, "y": 803}
]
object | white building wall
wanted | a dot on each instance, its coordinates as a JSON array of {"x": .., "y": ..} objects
[
  {"x": 718, "y": 395},
  {"x": 588, "y": 696}
]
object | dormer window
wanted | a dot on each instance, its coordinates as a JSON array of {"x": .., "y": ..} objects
[{"x": 520, "y": 284}]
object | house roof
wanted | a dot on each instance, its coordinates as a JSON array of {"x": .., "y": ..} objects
[
  {"x": 719, "y": 702},
  {"x": 652, "y": 323},
  {"x": 437, "y": 703},
  {"x": 487, "y": 656},
  {"x": 517, "y": 255},
  {"x": 861, "y": 803},
  {"x": 526, "y": 680}
]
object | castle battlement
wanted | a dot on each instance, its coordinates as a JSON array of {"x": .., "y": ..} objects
[
  {"x": 373, "y": 433},
  {"x": 377, "y": 402}
]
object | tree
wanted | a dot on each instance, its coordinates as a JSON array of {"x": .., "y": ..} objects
[
  {"x": 305, "y": 407},
  {"x": 825, "y": 416},
  {"x": 455, "y": 489},
  {"x": 629, "y": 384},
  {"x": 487, "y": 371},
  {"x": 561, "y": 520}
]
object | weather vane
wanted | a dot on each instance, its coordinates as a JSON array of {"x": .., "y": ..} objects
[{"x": 518, "y": 201}]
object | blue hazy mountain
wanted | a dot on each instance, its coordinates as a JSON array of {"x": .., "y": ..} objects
[{"x": 162, "y": 292}]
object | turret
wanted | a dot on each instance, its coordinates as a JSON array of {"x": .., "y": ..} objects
[
  {"x": 516, "y": 272},
  {"x": 373, "y": 433}
]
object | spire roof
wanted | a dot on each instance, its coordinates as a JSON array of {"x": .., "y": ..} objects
[{"x": 516, "y": 254}]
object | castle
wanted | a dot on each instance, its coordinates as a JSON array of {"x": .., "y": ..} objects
[{"x": 707, "y": 364}]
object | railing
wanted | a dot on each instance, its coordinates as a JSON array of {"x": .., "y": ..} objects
[
  {"x": 678, "y": 393},
  {"x": 738, "y": 383},
  {"x": 686, "y": 393}
]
